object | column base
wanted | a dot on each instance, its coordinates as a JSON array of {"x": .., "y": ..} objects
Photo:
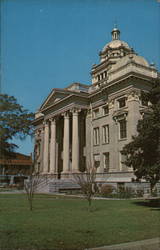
[
  {"x": 76, "y": 171},
  {"x": 45, "y": 173},
  {"x": 55, "y": 173},
  {"x": 66, "y": 172}
]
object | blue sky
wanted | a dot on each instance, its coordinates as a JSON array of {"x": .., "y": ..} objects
[{"x": 51, "y": 43}]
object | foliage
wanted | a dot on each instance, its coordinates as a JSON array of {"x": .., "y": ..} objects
[
  {"x": 106, "y": 189},
  {"x": 126, "y": 193},
  {"x": 139, "y": 193},
  {"x": 15, "y": 121},
  {"x": 121, "y": 193},
  {"x": 143, "y": 153},
  {"x": 86, "y": 181}
]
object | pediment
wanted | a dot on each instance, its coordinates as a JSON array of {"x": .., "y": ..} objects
[{"x": 54, "y": 97}]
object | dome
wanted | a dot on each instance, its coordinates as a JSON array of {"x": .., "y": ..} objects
[
  {"x": 115, "y": 44},
  {"x": 137, "y": 59}
]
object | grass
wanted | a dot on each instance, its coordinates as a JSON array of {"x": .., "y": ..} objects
[{"x": 65, "y": 223}]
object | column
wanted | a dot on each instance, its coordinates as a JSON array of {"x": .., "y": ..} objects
[
  {"x": 66, "y": 162},
  {"x": 46, "y": 147},
  {"x": 75, "y": 142},
  {"x": 53, "y": 147},
  {"x": 41, "y": 150}
]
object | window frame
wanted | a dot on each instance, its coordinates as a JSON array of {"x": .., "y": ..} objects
[
  {"x": 96, "y": 136},
  {"x": 120, "y": 102},
  {"x": 122, "y": 129},
  {"x": 105, "y": 134},
  {"x": 106, "y": 156},
  {"x": 96, "y": 113},
  {"x": 105, "y": 107}
]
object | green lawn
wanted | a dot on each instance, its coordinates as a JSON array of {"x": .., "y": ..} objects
[{"x": 65, "y": 223}]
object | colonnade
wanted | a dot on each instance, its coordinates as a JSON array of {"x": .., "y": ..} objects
[{"x": 50, "y": 164}]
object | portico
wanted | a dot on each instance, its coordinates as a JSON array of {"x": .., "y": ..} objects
[{"x": 70, "y": 152}]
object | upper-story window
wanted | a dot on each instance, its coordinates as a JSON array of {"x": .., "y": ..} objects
[
  {"x": 122, "y": 129},
  {"x": 96, "y": 136},
  {"x": 102, "y": 75},
  {"x": 122, "y": 102},
  {"x": 105, "y": 110},
  {"x": 96, "y": 113},
  {"x": 105, "y": 133}
]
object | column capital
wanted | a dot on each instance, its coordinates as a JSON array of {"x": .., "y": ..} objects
[
  {"x": 45, "y": 123},
  {"x": 65, "y": 114},
  {"x": 75, "y": 111},
  {"x": 52, "y": 120},
  {"x": 38, "y": 131}
]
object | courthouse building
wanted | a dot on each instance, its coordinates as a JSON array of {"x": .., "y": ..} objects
[{"x": 83, "y": 123}]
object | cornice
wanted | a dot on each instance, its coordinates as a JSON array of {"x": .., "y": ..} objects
[
  {"x": 80, "y": 96},
  {"x": 37, "y": 120},
  {"x": 121, "y": 79},
  {"x": 67, "y": 108}
]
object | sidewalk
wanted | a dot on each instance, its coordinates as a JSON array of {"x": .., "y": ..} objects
[{"x": 151, "y": 244}]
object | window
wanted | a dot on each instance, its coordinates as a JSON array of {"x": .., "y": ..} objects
[
  {"x": 104, "y": 74},
  {"x": 96, "y": 113},
  {"x": 105, "y": 133},
  {"x": 106, "y": 162},
  {"x": 123, "y": 129},
  {"x": 105, "y": 110},
  {"x": 122, "y": 102},
  {"x": 122, "y": 160},
  {"x": 96, "y": 158},
  {"x": 96, "y": 136}
]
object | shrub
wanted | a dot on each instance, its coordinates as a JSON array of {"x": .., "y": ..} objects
[
  {"x": 126, "y": 193},
  {"x": 154, "y": 193},
  {"x": 139, "y": 192},
  {"x": 106, "y": 190}
]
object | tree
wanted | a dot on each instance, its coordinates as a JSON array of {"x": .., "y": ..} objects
[
  {"x": 86, "y": 181},
  {"x": 143, "y": 153},
  {"x": 34, "y": 182},
  {"x": 15, "y": 121}
]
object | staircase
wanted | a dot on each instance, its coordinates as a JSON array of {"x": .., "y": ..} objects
[
  {"x": 48, "y": 185},
  {"x": 63, "y": 185}
]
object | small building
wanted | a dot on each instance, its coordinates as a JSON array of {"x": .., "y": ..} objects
[
  {"x": 83, "y": 123},
  {"x": 19, "y": 164}
]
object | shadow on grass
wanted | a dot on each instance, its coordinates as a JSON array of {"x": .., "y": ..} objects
[{"x": 154, "y": 204}]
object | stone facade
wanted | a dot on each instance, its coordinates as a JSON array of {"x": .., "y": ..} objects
[{"x": 82, "y": 123}]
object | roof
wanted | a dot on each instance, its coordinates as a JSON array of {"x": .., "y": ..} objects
[
  {"x": 18, "y": 159},
  {"x": 115, "y": 44},
  {"x": 135, "y": 58}
]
